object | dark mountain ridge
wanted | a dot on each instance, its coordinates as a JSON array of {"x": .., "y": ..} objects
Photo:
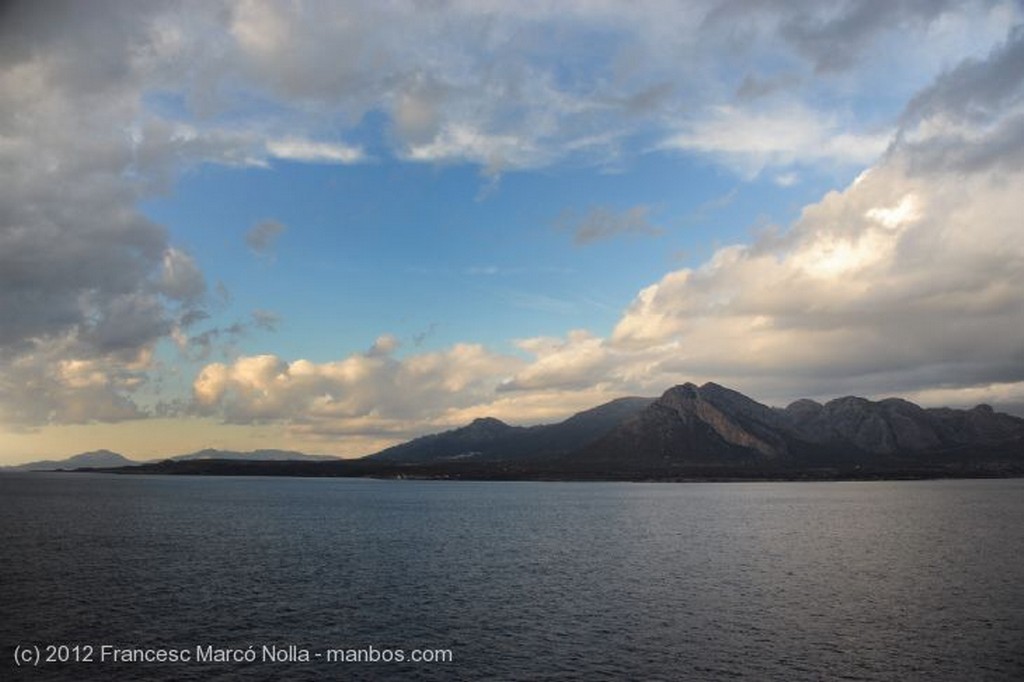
[
  {"x": 95, "y": 458},
  {"x": 691, "y": 427},
  {"x": 489, "y": 439}
]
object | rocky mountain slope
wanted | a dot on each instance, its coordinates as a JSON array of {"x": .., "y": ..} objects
[{"x": 710, "y": 426}]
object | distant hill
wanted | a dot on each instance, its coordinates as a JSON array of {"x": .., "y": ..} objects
[
  {"x": 105, "y": 459},
  {"x": 96, "y": 458},
  {"x": 253, "y": 456}
]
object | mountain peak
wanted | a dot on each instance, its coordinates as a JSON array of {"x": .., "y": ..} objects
[
  {"x": 805, "y": 405},
  {"x": 718, "y": 412},
  {"x": 489, "y": 422},
  {"x": 712, "y": 386},
  {"x": 95, "y": 458},
  {"x": 101, "y": 454}
]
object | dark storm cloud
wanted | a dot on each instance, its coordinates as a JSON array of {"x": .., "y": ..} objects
[
  {"x": 834, "y": 36},
  {"x": 87, "y": 284},
  {"x": 977, "y": 89},
  {"x": 974, "y": 114}
]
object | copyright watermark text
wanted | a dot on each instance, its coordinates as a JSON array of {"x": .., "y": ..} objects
[{"x": 35, "y": 655}]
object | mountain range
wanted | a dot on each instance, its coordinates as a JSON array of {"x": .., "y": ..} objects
[
  {"x": 710, "y": 427},
  {"x": 104, "y": 459},
  {"x": 690, "y": 432},
  {"x": 711, "y": 430}
]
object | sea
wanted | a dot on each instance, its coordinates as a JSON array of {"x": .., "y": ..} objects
[{"x": 234, "y": 578}]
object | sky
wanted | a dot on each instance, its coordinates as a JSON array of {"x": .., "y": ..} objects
[{"x": 334, "y": 226}]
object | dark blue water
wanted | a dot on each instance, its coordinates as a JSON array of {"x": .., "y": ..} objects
[{"x": 594, "y": 581}]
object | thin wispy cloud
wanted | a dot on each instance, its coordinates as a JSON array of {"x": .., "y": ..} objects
[
  {"x": 297, "y": 149},
  {"x": 708, "y": 208},
  {"x": 261, "y": 237},
  {"x": 751, "y": 141},
  {"x": 600, "y": 223}
]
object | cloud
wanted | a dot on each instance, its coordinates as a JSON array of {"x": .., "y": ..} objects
[
  {"x": 365, "y": 393},
  {"x": 200, "y": 345},
  {"x": 977, "y": 89},
  {"x": 297, "y": 149},
  {"x": 55, "y": 384},
  {"x": 495, "y": 152},
  {"x": 266, "y": 320},
  {"x": 420, "y": 337},
  {"x": 708, "y": 208},
  {"x": 895, "y": 284},
  {"x": 383, "y": 346},
  {"x": 181, "y": 278},
  {"x": 576, "y": 362},
  {"x": 971, "y": 119},
  {"x": 787, "y": 179},
  {"x": 755, "y": 87},
  {"x": 834, "y": 37},
  {"x": 88, "y": 285},
  {"x": 524, "y": 86},
  {"x": 416, "y": 113},
  {"x": 601, "y": 223},
  {"x": 752, "y": 140},
  {"x": 261, "y": 237}
]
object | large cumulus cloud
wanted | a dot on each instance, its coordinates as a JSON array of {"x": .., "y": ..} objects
[{"x": 370, "y": 393}]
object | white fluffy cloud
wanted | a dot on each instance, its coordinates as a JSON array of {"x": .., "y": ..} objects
[
  {"x": 371, "y": 393},
  {"x": 906, "y": 281},
  {"x": 378, "y": 395}
]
